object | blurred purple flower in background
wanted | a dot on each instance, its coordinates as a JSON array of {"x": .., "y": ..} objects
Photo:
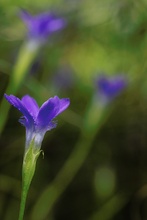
[
  {"x": 41, "y": 26},
  {"x": 37, "y": 120},
  {"x": 63, "y": 78},
  {"x": 110, "y": 87}
]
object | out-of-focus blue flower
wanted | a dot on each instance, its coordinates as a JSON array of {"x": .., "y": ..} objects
[
  {"x": 110, "y": 87},
  {"x": 37, "y": 120},
  {"x": 63, "y": 79},
  {"x": 41, "y": 26}
]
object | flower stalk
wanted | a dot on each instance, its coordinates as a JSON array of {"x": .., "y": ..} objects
[
  {"x": 95, "y": 115},
  {"x": 25, "y": 59},
  {"x": 28, "y": 169}
]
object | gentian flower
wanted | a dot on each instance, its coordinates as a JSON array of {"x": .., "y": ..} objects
[
  {"x": 41, "y": 26},
  {"x": 37, "y": 121},
  {"x": 110, "y": 87}
]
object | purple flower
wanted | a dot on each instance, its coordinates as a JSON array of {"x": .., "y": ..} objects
[
  {"x": 110, "y": 87},
  {"x": 41, "y": 26},
  {"x": 37, "y": 120}
]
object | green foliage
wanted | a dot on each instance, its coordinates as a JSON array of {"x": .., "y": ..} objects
[{"x": 101, "y": 36}]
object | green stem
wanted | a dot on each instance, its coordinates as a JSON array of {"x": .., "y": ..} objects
[
  {"x": 23, "y": 201},
  {"x": 28, "y": 170},
  {"x": 25, "y": 59}
]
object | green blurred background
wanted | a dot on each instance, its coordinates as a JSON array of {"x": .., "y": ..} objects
[{"x": 102, "y": 36}]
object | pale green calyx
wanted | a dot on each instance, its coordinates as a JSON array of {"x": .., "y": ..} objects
[{"x": 29, "y": 163}]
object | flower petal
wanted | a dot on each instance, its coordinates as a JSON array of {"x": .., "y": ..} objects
[
  {"x": 56, "y": 25},
  {"x": 31, "y": 105},
  {"x": 17, "y": 103},
  {"x": 41, "y": 26},
  {"x": 109, "y": 88},
  {"x": 50, "y": 109},
  {"x": 26, "y": 17}
]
